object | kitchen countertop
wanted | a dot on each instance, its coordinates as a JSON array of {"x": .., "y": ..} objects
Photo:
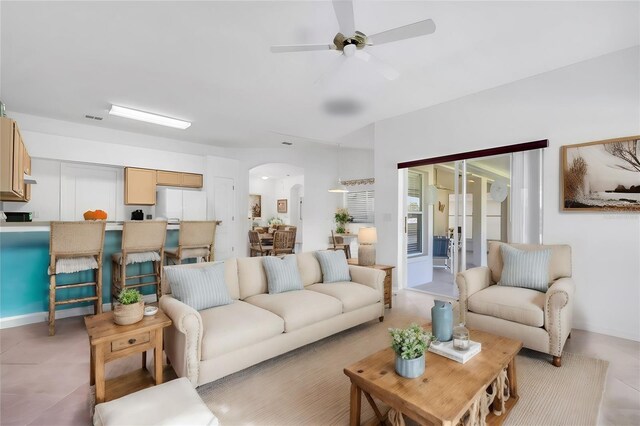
[{"x": 44, "y": 226}]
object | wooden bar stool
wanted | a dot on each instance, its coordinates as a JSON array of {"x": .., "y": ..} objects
[
  {"x": 142, "y": 242},
  {"x": 196, "y": 240},
  {"x": 75, "y": 247}
]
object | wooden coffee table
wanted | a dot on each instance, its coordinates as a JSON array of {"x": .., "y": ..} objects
[{"x": 446, "y": 390}]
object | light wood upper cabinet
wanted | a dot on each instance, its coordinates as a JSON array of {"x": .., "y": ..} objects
[
  {"x": 169, "y": 178},
  {"x": 191, "y": 180},
  {"x": 14, "y": 161},
  {"x": 139, "y": 186}
]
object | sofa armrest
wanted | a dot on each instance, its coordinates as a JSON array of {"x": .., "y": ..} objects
[
  {"x": 183, "y": 339},
  {"x": 370, "y": 277},
  {"x": 558, "y": 313},
  {"x": 469, "y": 282}
]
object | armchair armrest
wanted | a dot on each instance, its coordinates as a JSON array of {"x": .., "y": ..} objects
[
  {"x": 183, "y": 340},
  {"x": 469, "y": 282},
  {"x": 558, "y": 311}
]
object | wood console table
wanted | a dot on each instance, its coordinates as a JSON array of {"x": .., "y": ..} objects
[
  {"x": 110, "y": 341},
  {"x": 388, "y": 295}
]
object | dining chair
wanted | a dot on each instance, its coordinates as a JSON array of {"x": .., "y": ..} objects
[
  {"x": 283, "y": 242},
  {"x": 339, "y": 244},
  {"x": 256, "y": 247}
]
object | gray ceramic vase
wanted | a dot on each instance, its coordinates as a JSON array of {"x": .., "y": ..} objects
[{"x": 410, "y": 368}]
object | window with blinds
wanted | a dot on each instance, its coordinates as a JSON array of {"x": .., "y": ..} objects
[
  {"x": 414, "y": 213},
  {"x": 360, "y": 206}
]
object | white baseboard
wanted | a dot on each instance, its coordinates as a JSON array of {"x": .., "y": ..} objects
[
  {"x": 606, "y": 331},
  {"x": 18, "y": 320}
]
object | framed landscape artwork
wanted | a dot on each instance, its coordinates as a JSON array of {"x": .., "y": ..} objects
[
  {"x": 255, "y": 206},
  {"x": 602, "y": 176},
  {"x": 282, "y": 206}
]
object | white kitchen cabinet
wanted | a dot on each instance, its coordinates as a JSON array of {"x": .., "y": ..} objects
[{"x": 180, "y": 204}]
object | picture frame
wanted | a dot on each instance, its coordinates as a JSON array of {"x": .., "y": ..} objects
[
  {"x": 601, "y": 176},
  {"x": 255, "y": 206},
  {"x": 282, "y": 205}
]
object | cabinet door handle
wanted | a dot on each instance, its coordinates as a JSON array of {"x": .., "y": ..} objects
[{"x": 132, "y": 341}]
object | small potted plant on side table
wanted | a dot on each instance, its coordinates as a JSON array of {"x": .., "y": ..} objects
[
  {"x": 342, "y": 217},
  {"x": 130, "y": 308},
  {"x": 410, "y": 344}
]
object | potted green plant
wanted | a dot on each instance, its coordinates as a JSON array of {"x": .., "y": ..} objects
[
  {"x": 342, "y": 217},
  {"x": 130, "y": 307},
  {"x": 410, "y": 345}
]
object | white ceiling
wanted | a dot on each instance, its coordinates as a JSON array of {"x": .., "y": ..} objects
[{"x": 209, "y": 62}]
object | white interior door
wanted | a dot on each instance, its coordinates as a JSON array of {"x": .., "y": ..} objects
[{"x": 224, "y": 210}]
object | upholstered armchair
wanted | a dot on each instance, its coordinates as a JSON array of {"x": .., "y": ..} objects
[{"x": 542, "y": 321}]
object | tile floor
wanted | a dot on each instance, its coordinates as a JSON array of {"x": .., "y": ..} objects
[{"x": 45, "y": 380}]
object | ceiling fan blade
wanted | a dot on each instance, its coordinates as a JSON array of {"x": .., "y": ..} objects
[
  {"x": 301, "y": 48},
  {"x": 386, "y": 70},
  {"x": 344, "y": 13},
  {"x": 416, "y": 29}
]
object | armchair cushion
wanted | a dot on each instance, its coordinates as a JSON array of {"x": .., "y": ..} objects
[
  {"x": 515, "y": 304},
  {"x": 525, "y": 268}
]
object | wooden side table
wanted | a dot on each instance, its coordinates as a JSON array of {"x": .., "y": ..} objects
[
  {"x": 388, "y": 297},
  {"x": 110, "y": 341}
]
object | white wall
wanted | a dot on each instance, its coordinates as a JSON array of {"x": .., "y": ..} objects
[
  {"x": 592, "y": 100},
  {"x": 320, "y": 173}
]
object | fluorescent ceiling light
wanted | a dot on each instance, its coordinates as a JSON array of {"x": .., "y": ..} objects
[{"x": 148, "y": 117}]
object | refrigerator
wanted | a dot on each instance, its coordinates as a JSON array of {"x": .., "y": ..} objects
[{"x": 181, "y": 204}]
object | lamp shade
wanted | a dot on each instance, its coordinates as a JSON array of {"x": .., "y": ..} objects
[{"x": 367, "y": 235}]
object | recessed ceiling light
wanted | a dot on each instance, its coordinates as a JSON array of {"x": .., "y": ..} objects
[
  {"x": 265, "y": 177},
  {"x": 148, "y": 117}
]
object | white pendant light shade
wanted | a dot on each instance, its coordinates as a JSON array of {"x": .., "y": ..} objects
[{"x": 340, "y": 188}]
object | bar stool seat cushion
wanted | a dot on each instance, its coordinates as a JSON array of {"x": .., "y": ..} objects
[
  {"x": 188, "y": 253},
  {"x": 172, "y": 403},
  {"x": 69, "y": 265},
  {"x": 146, "y": 256}
]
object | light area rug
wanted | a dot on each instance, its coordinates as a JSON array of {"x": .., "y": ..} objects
[{"x": 308, "y": 387}]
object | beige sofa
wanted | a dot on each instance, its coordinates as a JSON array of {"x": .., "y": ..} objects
[
  {"x": 207, "y": 345},
  {"x": 542, "y": 321}
]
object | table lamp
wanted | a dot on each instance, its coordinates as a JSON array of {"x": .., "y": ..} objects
[{"x": 367, "y": 238}]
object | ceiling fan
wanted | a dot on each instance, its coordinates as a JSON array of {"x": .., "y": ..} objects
[{"x": 352, "y": 43}]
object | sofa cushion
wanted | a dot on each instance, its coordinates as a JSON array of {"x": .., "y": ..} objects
[
  {"x": 298, "y": 308},
  {"x": 352, "y": 295},
  {"x": 309, "y": 268},
  {"x": 234, "y": 326},
  {"x": 334, "y": 266},
  {"x": 251, "y": 277},
  {"x": 230, "y": 276},
  {"x": 200, "y": 288},
  {"x": 520, "y": 305},
  {"x": 525, "y": 268},
  {"x": 282, "y": 274}
]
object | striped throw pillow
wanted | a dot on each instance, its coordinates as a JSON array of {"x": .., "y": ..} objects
[
  {"x": 200, "y": 288},
  {"x": 334, "y": 266},
  {"x": 524, "y": 268},
  {"x": 282, "y": 274}
]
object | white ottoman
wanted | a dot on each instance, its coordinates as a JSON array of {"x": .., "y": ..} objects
[{"x": 175, "y": 403}]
